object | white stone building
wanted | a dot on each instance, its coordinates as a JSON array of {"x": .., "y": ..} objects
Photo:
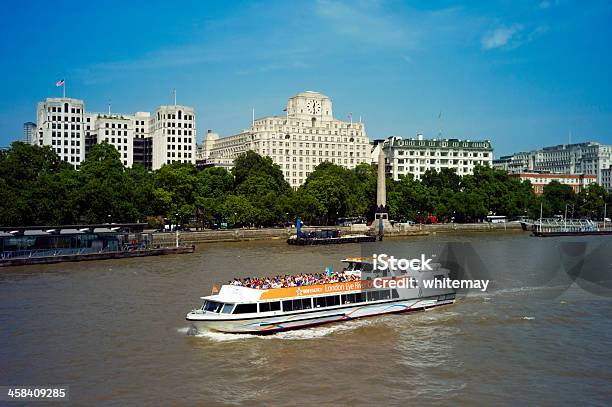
[
  {"x": 298, "y": 141},
  {"x": 606, "y": 179},
  {"x": 173, "y": 133},
  {"x": 417, "y": 155},
  {"x": 589, "y": 158},
  {"x": 118, "y": 131},
  {"x": 60, "y": 125}
]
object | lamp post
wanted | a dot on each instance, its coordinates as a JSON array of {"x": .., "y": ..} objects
[{"x": 605, "y": 214}]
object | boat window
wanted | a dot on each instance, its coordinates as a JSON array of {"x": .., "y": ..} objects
[
  {"x": 227, "y": 308},
  {"x": 306, "y": 303},
  {"x": 332, "y": 300},
  {"x": 212, "y": 306},
  {"x": 269, "y": 306},
  {"x": 367, "y": 267},
  {"x": 328, "y": 301},
  {"x": 245, "y": 309},
  {"x": 394, "y": 293},
  {"x": 373, "y": 295},
  {"x": 352, "y": 298},
  {"x": 347, "y": 298},
  {"x": 379, "y": 295},
  {"x": 439, "y": 277},
  {"x": 296, "y": 305},
  {"x": 319, "y": 302}
]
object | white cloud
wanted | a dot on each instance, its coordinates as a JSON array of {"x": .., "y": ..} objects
[
  {"x": 536, "y": 32},
  {"x": 501, "y": 37},
  {"x": 366, "y": 22},
  {"x": 544, "y": 4}
]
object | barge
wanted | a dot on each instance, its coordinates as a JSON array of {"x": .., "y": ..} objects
[{"x": 322, "y": 237}]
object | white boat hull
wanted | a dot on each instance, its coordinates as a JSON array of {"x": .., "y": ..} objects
[{"x": 301, "y": 319}]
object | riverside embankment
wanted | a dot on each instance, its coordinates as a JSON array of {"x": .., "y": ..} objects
[{"x": 235, "y": 235}]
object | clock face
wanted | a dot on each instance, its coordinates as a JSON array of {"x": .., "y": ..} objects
[{"x": 314, "y": 106}]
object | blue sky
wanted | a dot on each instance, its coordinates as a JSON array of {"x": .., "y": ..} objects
[{"x": 522, "y": 74}]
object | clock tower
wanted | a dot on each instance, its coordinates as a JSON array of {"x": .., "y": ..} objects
[{"x": 310, "y": 105}]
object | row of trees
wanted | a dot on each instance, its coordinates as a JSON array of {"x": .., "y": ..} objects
[{"x": 37, "y": 188}]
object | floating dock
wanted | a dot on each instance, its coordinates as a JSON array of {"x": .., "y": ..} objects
[
  {"x": 554, "y": 227},
  {"x": 20, "y": 261},
  {"x": 571, "y": 233},
  {"x": 54, "y": 244}
]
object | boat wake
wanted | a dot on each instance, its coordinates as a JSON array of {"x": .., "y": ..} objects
[
  {"x": 514, "y": 290},
  {"x": 298, "y": 334}
]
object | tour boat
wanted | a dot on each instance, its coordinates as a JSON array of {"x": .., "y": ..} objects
[{"x": 239, "y": 309}]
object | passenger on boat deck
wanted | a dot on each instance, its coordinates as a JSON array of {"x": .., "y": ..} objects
[{"x": 293, "y": 281}]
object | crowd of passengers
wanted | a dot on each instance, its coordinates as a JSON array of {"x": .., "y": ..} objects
[{"x": 293, "y": 281}]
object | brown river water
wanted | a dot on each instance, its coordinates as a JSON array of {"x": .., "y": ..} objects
[{"x": 115, "y": 331}]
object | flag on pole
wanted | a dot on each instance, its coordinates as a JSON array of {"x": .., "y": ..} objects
[{"x": 60, "y": 83}]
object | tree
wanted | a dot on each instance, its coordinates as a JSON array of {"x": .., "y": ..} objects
[
  {"x": 556, "y": 196},
  {"x": 238, "y": 211},
  {"x": 261, "y": 182},
  {"x": 251, "y": 164},
  {"x": 29, "y": 191},
  {"x": 590, "y": 201},
  {"x": 102, "y": 195},
  {"x": 214, "y": 183},
  {"x": 446, "y": 178},
  {"x": 176, "y": 187}
]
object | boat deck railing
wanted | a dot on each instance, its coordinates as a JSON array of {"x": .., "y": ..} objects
[{"x": 565, "y": 225}]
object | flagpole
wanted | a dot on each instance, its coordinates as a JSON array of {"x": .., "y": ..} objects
[{"x": 64, "y": 88}]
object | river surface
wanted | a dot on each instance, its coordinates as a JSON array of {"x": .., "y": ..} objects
[{"x": 115, "y": 332}]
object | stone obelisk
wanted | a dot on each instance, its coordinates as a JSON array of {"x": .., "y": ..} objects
[
  {"x": 382, "y": 215},
  {"x": 381, "y": 188}
]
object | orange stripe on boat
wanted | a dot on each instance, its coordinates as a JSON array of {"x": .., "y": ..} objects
[{"x": 306, "y": 290}]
